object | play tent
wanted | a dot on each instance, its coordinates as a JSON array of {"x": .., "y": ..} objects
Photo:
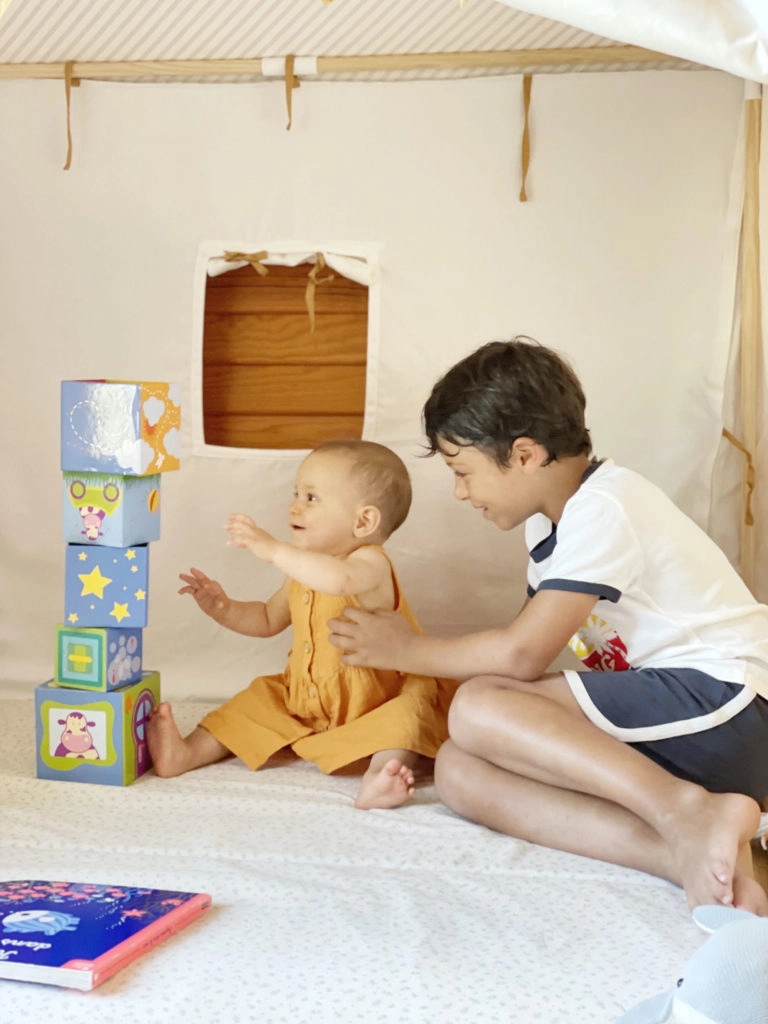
[{"x": 491, "y": 169}]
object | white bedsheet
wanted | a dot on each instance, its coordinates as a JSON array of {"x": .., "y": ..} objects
[{"x": 324, "y": 913}]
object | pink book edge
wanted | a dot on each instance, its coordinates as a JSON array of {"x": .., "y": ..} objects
[{"x": 114, "y": 960}]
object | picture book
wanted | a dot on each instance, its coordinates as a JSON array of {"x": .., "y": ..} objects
[{"x": 77, "y": 935}]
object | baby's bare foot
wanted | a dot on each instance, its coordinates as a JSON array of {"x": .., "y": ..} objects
[
  {"x": 389, "y": 787},
  {"x": 166, "y": 745}
]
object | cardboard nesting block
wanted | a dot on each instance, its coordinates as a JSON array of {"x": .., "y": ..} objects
[
  {"x": 83, "y": 737},
  {"x": 113, "y": 510},
  {"x": 106, "y": 586},
  {"x": 100, "y": 658},
  {"x": 126, "y": 427}
]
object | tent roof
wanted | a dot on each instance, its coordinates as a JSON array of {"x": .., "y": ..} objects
[
  {"x": 53, "y": 32},
  {"x": 525, "y": 35}
]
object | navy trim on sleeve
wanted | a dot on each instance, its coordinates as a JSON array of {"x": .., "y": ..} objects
[
  {"x": 545, "y": 547},
  {"x": 578, "y": 587}
]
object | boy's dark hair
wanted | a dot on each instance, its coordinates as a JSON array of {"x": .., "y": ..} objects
[
  {"x": 383, "y": 479},
  {"x": 506, "y": 390}
]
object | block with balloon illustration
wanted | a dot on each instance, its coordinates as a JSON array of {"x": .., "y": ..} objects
[
  {"x": 99, "y": 658},
  {"x": 130, "y": 428},
  {"x": 105, "y": 586},
  {"x": 101, "y": 738},
  {"x": 106, "y": 508}
]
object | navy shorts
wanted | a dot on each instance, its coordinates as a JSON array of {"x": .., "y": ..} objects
[{"x": 698, "y": 728}]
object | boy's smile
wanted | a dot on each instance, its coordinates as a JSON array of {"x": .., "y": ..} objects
[{"x": 499, "y": 492}]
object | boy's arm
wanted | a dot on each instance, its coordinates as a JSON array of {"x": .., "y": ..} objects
[
  {"x": 251, "y": 618},
  {"x": 523, "y": 650},
  {"x": 363, "y": 572}
]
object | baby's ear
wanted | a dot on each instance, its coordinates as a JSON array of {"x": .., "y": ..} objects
[
  {"x": 710, "y": 918},
  {"x": 368, "y": 521}
]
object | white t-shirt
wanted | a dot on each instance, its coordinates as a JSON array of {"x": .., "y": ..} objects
[{"x": 668, "y": 596}]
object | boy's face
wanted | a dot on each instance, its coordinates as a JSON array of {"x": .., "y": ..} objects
[
  {"x": 504, "y": 494},
  {"x": 325, "y": 504}
]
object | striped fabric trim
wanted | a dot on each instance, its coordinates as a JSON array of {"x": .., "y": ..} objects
[{"x": 647, "y": 733}]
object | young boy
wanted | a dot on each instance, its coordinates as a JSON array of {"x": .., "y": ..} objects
[
  {"x": 657, "y": 757},
  {"x": 350, "y": 496}
]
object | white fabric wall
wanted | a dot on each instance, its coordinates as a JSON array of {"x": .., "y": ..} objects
[{"x": 622, "y": 259}]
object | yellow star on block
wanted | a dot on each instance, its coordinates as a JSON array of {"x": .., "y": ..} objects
[
  {"x": 140, "y": 595},
  {"x": 93, "y": 582},
  {"x": 120, "y": 612}
]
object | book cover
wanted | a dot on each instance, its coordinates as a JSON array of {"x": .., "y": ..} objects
[{"x": 77, "y": 935}]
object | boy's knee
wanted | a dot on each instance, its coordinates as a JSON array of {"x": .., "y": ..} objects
[{"x": 468, "y": 702}]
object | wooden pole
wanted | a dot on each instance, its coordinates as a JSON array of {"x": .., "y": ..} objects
[
  {"x": 751, "y": 339},
  {"x": 562, "y": 56}
]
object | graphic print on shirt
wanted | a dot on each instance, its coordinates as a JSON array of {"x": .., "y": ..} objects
[{"x": 599, "y": 646}]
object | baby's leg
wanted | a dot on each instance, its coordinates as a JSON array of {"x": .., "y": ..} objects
[
  {"x": 388, "y": 781},
  {"x": 173, "y": 754}
]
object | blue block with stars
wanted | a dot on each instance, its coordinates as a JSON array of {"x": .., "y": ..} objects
[
  {"x": 95, "y": 737},
  {"x": 106, "y": 586},
  {"x": 98, "y": 658}
]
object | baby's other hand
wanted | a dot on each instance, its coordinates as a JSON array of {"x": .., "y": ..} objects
[
  {"x": 244, "y": 533},
  {"x": 209, "y": 594}
]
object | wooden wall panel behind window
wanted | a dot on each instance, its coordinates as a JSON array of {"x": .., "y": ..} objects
[{"x": 268, "y": 382}]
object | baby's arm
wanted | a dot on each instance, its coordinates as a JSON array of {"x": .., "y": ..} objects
[
  {"x": 251, "y": 618},
  {"x": 365, "y": 572}
]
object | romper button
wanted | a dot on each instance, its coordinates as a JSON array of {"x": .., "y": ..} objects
[
  {"x": 306, "y": 597},
  {"x": 307, "y": 647}
]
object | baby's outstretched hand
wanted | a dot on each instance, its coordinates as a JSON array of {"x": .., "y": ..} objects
[
  {"x": 244, "y": 533},
  {"x": 209, "y": 594}
]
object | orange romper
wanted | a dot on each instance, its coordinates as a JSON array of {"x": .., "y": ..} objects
[{"x": 328, "y": 712}]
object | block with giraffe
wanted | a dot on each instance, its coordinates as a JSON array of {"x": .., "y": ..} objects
[{"x": 129, "y": 428}]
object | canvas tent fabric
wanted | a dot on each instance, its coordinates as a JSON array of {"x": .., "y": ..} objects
[{"x": 731, "y": 35}]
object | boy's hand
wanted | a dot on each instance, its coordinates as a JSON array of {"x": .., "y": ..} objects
[
  {"x": 244, "y": 533},
  {"x": 209, "y": 594},
  {"x": 370, "y": 638}
]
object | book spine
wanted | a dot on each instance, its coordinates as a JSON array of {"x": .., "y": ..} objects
[{"x": 110, "y": 963}]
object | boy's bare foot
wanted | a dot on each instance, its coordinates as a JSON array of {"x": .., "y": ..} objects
[
  {"x": 748, "y": 893},
  {"x": 166, "y": 745},
  {"x": 389, "y": 787},
  {"x": 707, "y": 840}
]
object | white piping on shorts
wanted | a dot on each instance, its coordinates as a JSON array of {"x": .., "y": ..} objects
[{"x": 647, "y": 733}]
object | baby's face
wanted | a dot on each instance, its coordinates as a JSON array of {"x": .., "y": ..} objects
[{"x": 325, "y": 504}]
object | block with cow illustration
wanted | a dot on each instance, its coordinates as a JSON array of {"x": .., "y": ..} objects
[
  {"x": 99, "y": 738},
  {"x": 116, "y": 426},
  {"x": 99, "y": 658},
  {"x": 112, "y": 510}
]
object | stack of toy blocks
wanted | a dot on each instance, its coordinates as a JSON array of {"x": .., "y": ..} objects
[{"x": 117, "y": 437}]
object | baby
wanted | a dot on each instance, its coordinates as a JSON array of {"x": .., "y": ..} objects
[{"x": 349, "y": 497}]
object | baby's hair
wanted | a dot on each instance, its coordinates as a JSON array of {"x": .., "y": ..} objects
[
  {"x": 382, "y": 477},
  {"x": 505, "y": 390}
]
